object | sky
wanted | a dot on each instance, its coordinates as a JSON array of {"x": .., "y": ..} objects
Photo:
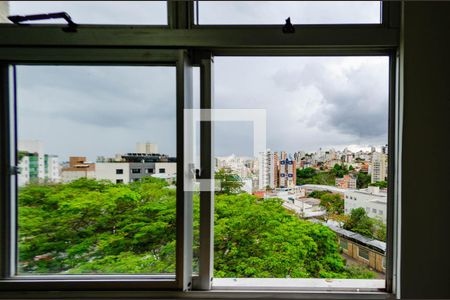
[{"x": 311, "y": 102}]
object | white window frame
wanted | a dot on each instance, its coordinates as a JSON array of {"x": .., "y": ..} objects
[{"x": 184, "y": 44}]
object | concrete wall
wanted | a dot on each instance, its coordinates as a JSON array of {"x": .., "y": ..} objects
[
  {"x": 425, "y": 269},
  {"x": 107, "y": 171}
]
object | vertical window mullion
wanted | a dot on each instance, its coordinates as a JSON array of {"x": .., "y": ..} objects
[
  {"x": 184, "y": 176},
  {"x": 206, "y": 257},
  {"x": 7, "y": 173}
]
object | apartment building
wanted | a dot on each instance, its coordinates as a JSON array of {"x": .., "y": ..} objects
[
  {"x": 35, "y": 165},
  {"x": 126, "y": 172},
  {"x": 78, "y": 168},
  {"x": 346, "y": 182},
  {"x": 372, "y": 199},
  {"x": 268, "y": 169},
  {"x": 378, "y": 167},
  {"x": 287, "y": 171}
]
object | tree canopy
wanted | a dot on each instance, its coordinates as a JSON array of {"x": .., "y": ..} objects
[
  {"x": 230, "y": 183},
  {"x": 90, "y": 226},
  {"x": 361, "y": 223}
]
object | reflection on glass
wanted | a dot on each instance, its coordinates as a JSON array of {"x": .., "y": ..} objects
[
  {"x": 300, "y": 12},
  {"x": 96, "y": 12},
  {"x": 96, "y": 152}
]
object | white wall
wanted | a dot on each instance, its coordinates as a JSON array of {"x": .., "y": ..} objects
[
  {"x": 107, "y": 171},
  {"x": 170, "y": 167}
]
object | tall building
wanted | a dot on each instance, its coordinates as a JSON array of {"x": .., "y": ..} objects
[
  {"x": 35, "y": 165},
  {"x": 287, "y": 171},
  {"x": 147, "y": 148},
  {"x": 378, "y": 167},
  {"x": 267, "y": 170}
]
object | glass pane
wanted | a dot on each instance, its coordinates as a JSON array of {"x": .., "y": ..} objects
[
  {"x": 96, "y": 12},
  {"x": 300, "y": 12},
  {"x": 282, "y": 208},
  {"x": 96, "y": 152}
]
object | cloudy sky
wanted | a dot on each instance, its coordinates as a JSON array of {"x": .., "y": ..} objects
[{"x": 311, "y": 102}]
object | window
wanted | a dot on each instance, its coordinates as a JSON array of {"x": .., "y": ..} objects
[
  {"x": 147, "y": 113},
  {"x": 69, "y": 110},
  {"x": 363, "y": 252},
  {"x": 96, "y": 12},
  {"x": 343, "y": 243},
  {"x": 300, "y": 12},
  {"x": 252, "y": 207}
]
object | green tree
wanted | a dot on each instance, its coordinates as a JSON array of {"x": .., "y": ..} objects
[
  {"x": 90, "y": 226},
  {"x": 259, "y": 238},
  {"x": 362, "y": 180},
  {"x": 339, "y": 170},
  {"x": 230, "y": 183},
  {"x": 380, "y": 184},
  {"x": 306, "y": 173},
  {"x": 361, "y": 223}
]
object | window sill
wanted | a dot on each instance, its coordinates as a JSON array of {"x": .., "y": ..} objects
[{"x": 299, "y": 284}]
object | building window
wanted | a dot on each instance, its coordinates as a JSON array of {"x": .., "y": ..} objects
[
  {"x": 374, "y": 210},
  {"x": 162, "y": 170},
  {"x": 149, "y": 171},
  {"x": 136, "y": 171},
  {"x": 363, "y": 252},
  {"x": 119, "y": 171},
  {"x": 119, "y": 180},
  {"x": 343, "y": 243}
]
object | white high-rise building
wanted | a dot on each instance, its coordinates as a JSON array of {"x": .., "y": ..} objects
[
  {"x": 378, "y": 167},
  {"x": 267, "y": 170},
  {"x": 147, "y": 148}
]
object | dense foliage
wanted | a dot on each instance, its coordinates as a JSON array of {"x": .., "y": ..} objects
[
  {"x": 339, "y": 170},
  {"x": 333, "y": 203},
  {"x": 380, "y": 184},
  {"x": 361, "y": 223},
  {"x": 230, "y": 183},
  {"x": 362, "y": 180},
  {"x": 89, "y": 226},
  {"x": 313, "y": 176},
  {"x": 97, "y": 227}
]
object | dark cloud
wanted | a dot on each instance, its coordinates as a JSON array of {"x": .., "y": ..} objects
[
  {"x": 355, "y": 99},
  {"x": 68, "y": 106}
]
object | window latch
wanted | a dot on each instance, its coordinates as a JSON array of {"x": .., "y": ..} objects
[
  {"x": 14, "y": 170},
  {"x": 198, "y": 174},
  {"x": 288, "y": 27},
  {"x": 71, "y": 25}
]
